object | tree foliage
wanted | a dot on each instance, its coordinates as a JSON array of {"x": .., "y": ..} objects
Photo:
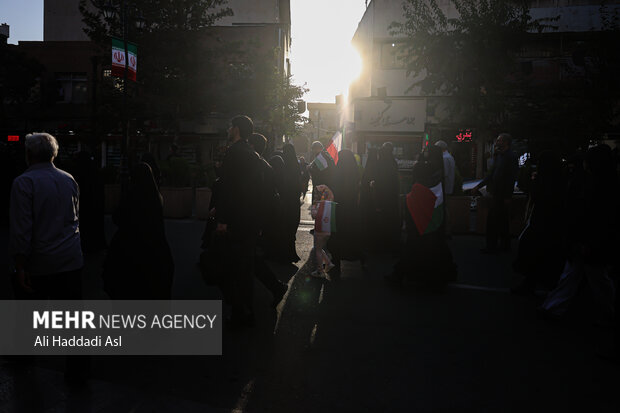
[
  {"x": 475, "y": 59},
  {"x": 172, "y": 59},
  {"x": 185, "y": 71},
  {"x": 18, "y": 75},
  {"x": 470, "y": 56}
]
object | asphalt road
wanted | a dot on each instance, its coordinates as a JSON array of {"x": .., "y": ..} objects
[{"x": 350, "y": 345}]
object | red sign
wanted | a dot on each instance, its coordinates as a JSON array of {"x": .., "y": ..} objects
[
  {"x": 13, "y": 138},
  {"x": 464, "y": 135}
]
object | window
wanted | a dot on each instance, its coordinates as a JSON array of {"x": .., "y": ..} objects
[
  {"x": 72, "y": 87},
  {"x": 392, "y": 55}
]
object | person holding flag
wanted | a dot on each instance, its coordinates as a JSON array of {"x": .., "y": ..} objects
[
  {"x": 322, "y": 168},
  {"x": 426, "y": 256},
  {"x": 324, "y": 214}
]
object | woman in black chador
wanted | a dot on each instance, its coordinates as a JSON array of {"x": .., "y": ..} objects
[
  {"x": 273, "y": 240},
  {"x": 426, "y": 258},
  {"x": 368, "y": 209},
  {"x": 290, "y": 202},
  {"x": 139, "y": 264},
  {"x": 540, "y": 255},
  {"x": 345, "y": 243},
  {"x": 386, "y": 193}
]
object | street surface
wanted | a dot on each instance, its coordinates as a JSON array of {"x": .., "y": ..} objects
[{"x": 349, "y": 345}]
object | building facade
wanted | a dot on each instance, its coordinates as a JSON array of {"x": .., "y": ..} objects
[
  {"x": 386, "y": 108},
  {"x": 69, "y": 103}
]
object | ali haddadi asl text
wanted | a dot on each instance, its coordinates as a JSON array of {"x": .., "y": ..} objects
[{"x": 78, "y": 341}]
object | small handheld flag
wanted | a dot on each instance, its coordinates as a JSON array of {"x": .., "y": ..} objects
[
  {"x": 325, "y": 220},
  {"x": 320, "y": 162}
]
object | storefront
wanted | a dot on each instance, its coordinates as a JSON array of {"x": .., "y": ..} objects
[{"x": 400, "y": 121}]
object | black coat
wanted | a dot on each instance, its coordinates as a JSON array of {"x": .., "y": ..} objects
[{"x": 241, "y": 183}]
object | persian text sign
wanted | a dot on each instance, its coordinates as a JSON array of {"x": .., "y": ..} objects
[
  {"x": 118, "y": 59},
  {"x": 390, "y": 115},
  {"x": 100, "y": 327}
]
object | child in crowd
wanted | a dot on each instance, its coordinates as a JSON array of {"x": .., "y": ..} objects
[{"x": 322, "y": 213}]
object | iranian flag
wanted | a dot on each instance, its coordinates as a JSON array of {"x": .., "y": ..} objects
[
  {"x": 118, "y": 59},
  {"x": 325, "y": 220},
  {"x": 335, "y": 145},
  {"x": 320, "y": 162},
  {"x": 426, "y": 207}
]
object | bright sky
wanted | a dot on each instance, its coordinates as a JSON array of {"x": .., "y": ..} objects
[{"x": 321, "y": 55}]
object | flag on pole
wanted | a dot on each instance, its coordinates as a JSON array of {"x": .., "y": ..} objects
[
  {"x": 118, "y": 59},
  {"x": 335, "y": 145},
  {"x": 325, "y": 220},
  {"x": 426, "y": 207}
]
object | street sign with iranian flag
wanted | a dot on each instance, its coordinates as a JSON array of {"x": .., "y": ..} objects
[{"x": 118, "y": 59}]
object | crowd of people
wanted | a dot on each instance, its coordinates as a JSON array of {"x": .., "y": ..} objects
[
  {"x": 255, "y": 213},
  {"x": 571, "y": 232}
]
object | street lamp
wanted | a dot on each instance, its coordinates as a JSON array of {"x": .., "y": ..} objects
[{"x": 109, "y": 11}]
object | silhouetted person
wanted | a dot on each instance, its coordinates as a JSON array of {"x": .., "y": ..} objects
[
  {"x": 426, "y": 258},
  {"x": 274, "y": 241},
  {"x": 345, "y": 243},
  {"x": 541, "y": 245},
  {"x": 449, "y": 168},
  {"x": 305, "y": 176},
  {"x": 593, "y": 237},
  {"x": 386, "y": 189},
  {"x": 290, "y": 202},
  {"x": 322, "y": 168},
  {"x": 500, "y": 184},
  {"x": 238, "y": 217},
  {"x": 269, "y": 205},
  {"x": 368, "y": 206},
  {"x": 45, "y": 233},
  {"x": 139, "y": 264}
]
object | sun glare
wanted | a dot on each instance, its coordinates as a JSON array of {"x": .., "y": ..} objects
[{"x": 322, "y": 55}]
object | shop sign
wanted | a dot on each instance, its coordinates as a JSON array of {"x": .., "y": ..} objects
[{"x": 390, "y": 115}]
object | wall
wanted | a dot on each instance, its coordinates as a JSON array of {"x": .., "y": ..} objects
[{"x": 62, "y": 21}]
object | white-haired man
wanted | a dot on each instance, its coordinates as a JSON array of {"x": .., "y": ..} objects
[{"x": 44, "y": 226}]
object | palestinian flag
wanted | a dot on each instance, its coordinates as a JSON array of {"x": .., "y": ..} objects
[
  {"x": 118, "y": 59},
  {"x": 325, "y": 220},
  {"x": 320, "y": 162},
  {"x": 426, "y": 207}
]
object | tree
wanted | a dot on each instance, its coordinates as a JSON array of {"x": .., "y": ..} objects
[
  {"x": 173, "y": 60},
  {"x": 185, "y": 71},
  {"x": 18, "y": 76},
  {"x": 478, "y": 64},
  {"x": 279, "y": 109},
  {"x": 471, "y": 58}
]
